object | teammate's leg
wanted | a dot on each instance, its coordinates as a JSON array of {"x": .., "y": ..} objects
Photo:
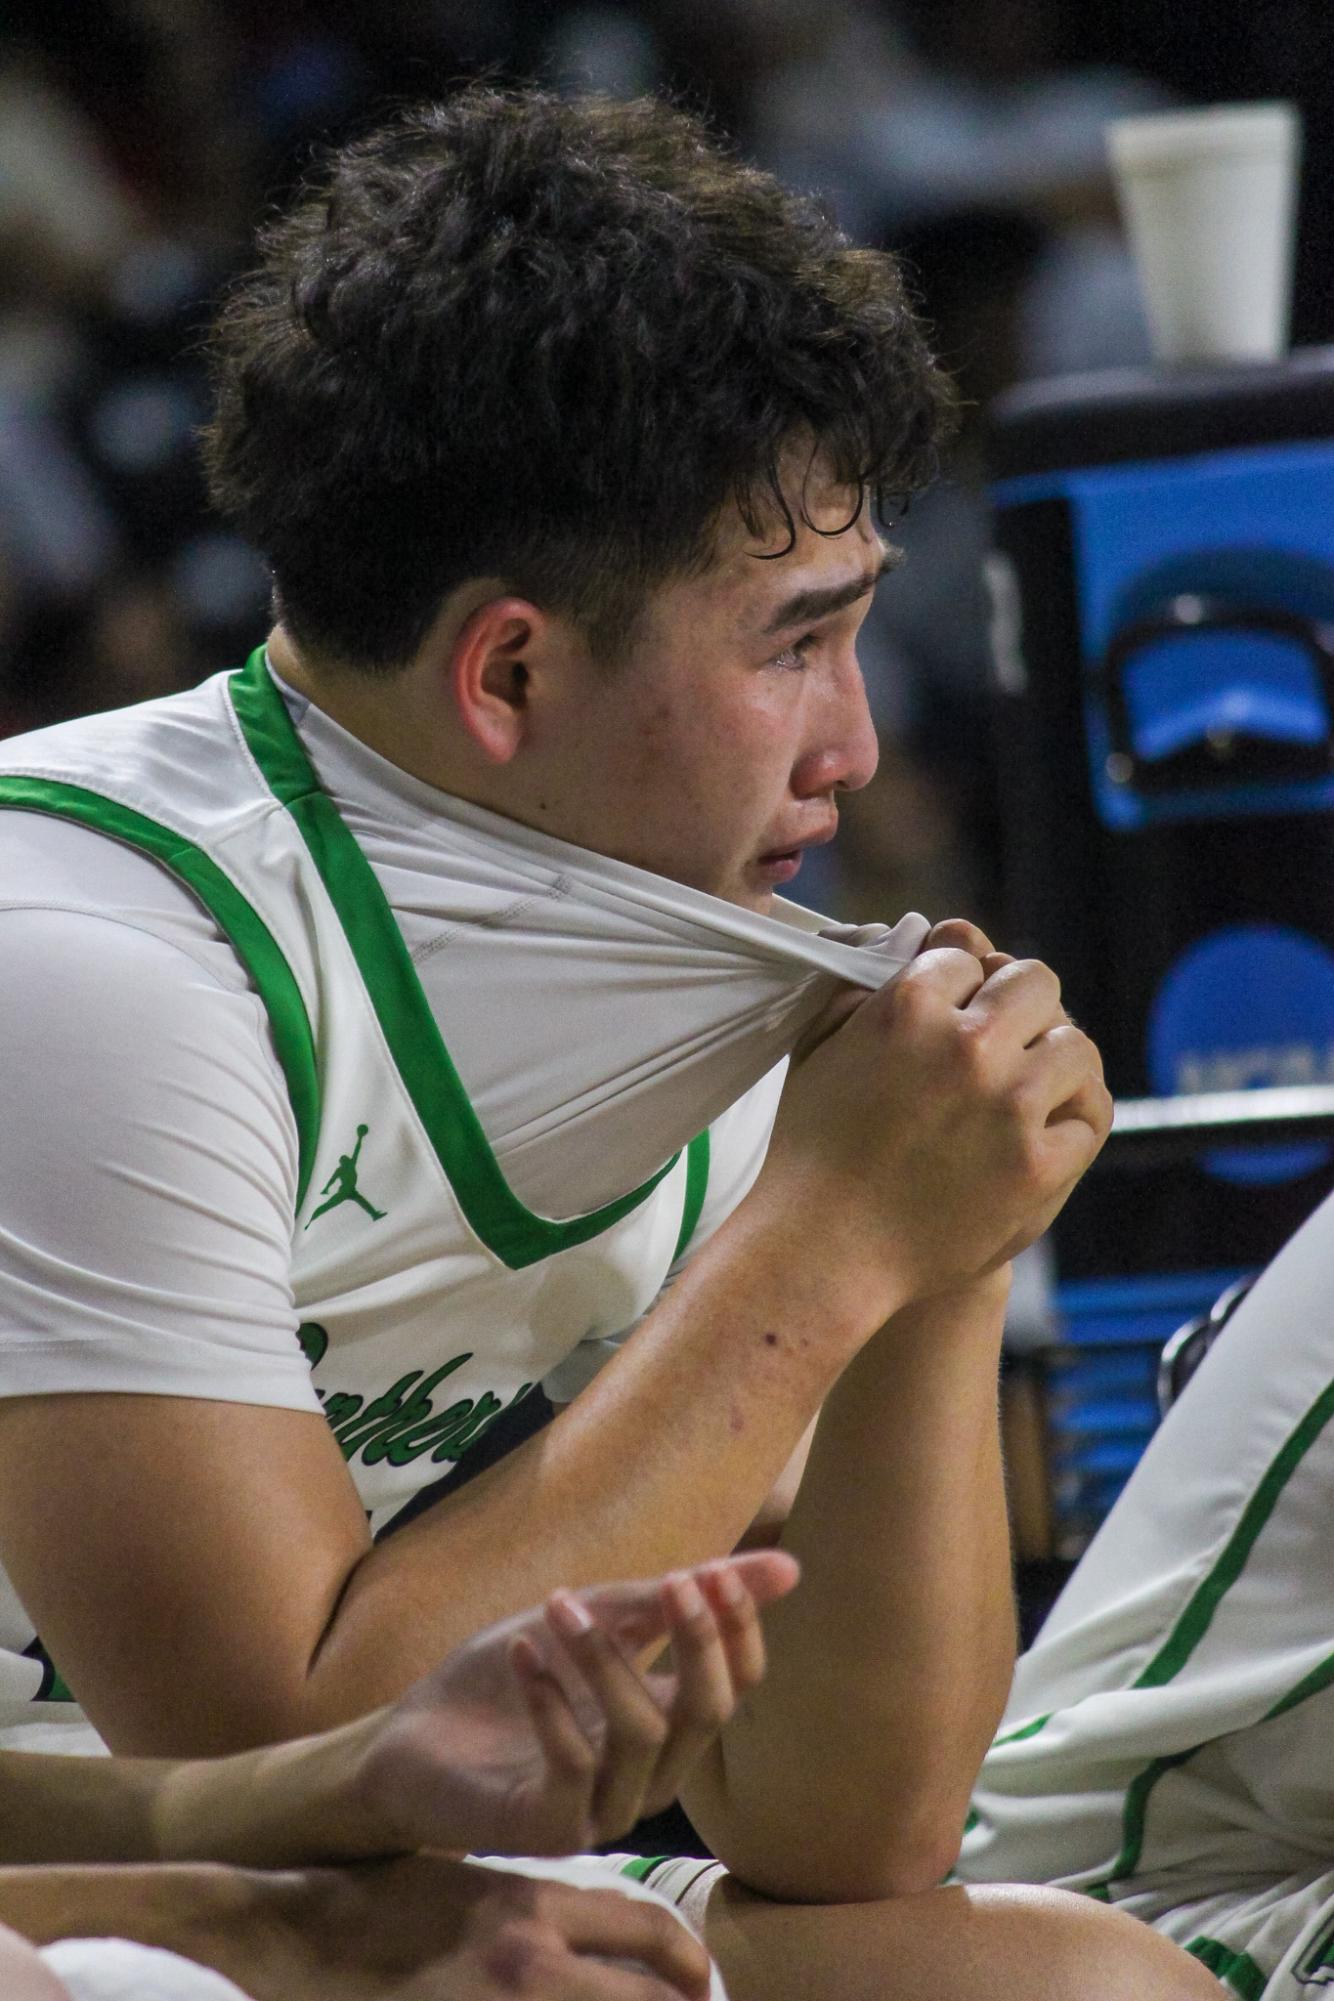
[{"x": 955, "y": 1944}]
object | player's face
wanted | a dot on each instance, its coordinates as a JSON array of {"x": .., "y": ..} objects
[{"x": 716, "y": 753}]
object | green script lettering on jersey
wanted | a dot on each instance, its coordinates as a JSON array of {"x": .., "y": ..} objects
[
  {"x": 395, "y": 1408},
  {"x": 451, "y": 1434},
  {"x": 402, "y": 1423}
]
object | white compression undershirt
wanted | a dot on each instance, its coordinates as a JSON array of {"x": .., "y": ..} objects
[{"x": 148, "y": 1174}]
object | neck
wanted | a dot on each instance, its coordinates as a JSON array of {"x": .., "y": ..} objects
[{"x": 389, "y": 714}]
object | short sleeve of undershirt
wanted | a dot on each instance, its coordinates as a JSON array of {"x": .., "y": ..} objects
[{"x": 147, "y": 1168}]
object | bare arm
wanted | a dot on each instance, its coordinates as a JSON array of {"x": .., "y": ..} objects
[
  {"x": 913, "y": 1149},
  {"x": 847, "y": 1775},
  {"x": 537, "y": 1737},
  {"x": 397, "y": 1931},
  {"x": 169, "y": 1567}
]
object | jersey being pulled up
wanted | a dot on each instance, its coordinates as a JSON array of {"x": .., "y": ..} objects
[{"x": 508, "y": 1083}]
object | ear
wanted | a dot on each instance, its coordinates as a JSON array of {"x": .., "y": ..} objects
[{"x": 489, "y": 674}]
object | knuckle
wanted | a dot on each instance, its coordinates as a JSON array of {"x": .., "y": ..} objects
[
  {"x": 1028, "y": 1162},
  {"x": 517, "y": 1956},
  {"x": 961, "y": 934},
  {"x": 660, "y": 1924},
  {"x": 710, "y": 1710},
  {"x": 975, "y": 1052},
  {"x": 579, "y": 1759},
  {"x": 1051, "y": 979}
]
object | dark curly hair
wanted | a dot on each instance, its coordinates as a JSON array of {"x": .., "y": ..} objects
[{"x": 545, "y": 340}]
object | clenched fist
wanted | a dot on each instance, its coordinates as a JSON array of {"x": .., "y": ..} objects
[{"x": 940, "y": 1124}]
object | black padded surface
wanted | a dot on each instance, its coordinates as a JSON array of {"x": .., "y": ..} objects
[{"x": 1127, "y": 414}]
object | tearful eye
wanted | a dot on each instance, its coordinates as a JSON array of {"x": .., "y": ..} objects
[{"x": 794, "y": 656}]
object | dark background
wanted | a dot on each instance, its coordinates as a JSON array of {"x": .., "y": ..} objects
[{"x": 142, "y": 140}]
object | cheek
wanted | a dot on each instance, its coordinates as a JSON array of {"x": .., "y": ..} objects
[{"x": 710, "y": 771}]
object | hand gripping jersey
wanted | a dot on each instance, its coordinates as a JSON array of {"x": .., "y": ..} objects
[{"x": 451, "y": 1251}]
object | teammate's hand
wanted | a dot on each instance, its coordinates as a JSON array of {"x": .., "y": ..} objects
[
  {"x": 543, "y": 1737},
  {"x": 941, "y": 1126},
  {"x": 23, "y": 1977},
  {"x": 425, "y": 1928}
]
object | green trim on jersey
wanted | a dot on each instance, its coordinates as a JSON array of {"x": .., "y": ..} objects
[
  {"x": 1238, "y": 1969},
  {"x": 495, "y": 1214},
  {"x": 1194, "y": 1622},
  {"x": 697, "y": 1187},
  {"x": 1024, "y": 1730},
  {"x": 1315, "y": 1683},
  {"x": 251, "y": 937}
]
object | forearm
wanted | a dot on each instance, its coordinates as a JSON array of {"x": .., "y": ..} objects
[
  {"x": 228, "y": 1919},
  {"x": 56, "y": 1809},
  {"x": 847, "y": 1773},
  {"x": 662, "y": 1462},
  {"x": 279, "y": 1807},
  {"x": 273, "y": 1808}
]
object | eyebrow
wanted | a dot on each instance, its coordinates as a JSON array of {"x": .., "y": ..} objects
[{"x": 805, "y": 606}]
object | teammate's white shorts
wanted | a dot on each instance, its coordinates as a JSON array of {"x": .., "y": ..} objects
[
  {"x": 1169, "y": 1742},
  {"x": 1286, "y": 1924},
  {"x": 115, "y": 1969}
]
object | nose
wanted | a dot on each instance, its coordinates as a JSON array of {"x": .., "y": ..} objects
[{"x": 843, "y": 751}]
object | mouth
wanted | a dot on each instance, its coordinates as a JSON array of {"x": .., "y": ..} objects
[{"x": 781, "y": 864}]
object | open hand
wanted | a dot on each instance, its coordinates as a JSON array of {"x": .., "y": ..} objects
[{"x": 543, "y": 1736}]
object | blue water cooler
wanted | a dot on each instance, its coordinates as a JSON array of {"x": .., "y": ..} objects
[{"x": 1163, "y": 619}]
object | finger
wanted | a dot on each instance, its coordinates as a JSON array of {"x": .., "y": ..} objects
[
  {"x": 768, "y": 1574},
  {"x": 635, "y": 1727},
  {"x": 1064, "y": 1074},
  {"x": 585, "y": 1980},
  {"x": 955, "y": 976},
  {"x": 570, "y": 1758},
  {"x": 618, "y": 1926},
  {"x": 1025, "y": 996},
  {"x": 1079, "y": 1119},
  {"x": 705, "y": 1692},
  {"x": 738, "y": 1622},
  {"x": 1089, "y": 1102},
  {"x": 959, "y": 934},
  {"x": 635, "y": 1614},
  {"x": 533, "y": 1959}
]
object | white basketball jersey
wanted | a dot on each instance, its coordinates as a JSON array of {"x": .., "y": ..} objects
[{"x": 431, "y": 1296}]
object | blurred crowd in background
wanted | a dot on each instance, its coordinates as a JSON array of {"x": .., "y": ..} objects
[{"x": 142, "y": 140}]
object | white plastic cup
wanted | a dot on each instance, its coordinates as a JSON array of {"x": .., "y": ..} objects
[{"x": 1209, "y": 200}]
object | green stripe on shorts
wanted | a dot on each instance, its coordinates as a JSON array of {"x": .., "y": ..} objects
[
  {"x": 642, "y": 1866},
  {"x": 1237, "y": 1969}
]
